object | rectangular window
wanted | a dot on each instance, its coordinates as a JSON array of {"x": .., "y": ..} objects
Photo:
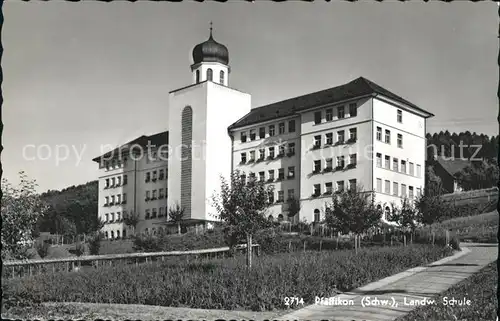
[
  {"x": 410, "y": 192},
  {"x": 379, "y": 185},
  {"x": 271, "y": 130},
  {"x": 400, "y": 116},
  {"x": 271, "y": 174},
  {"x": 281, "y": 196},
  {"x": 107, "y": 218},
  {"x": 353, "y": 134},
  {"x": 262, "y": 176},
  {"x": 291, "y": 126},
  {"x": 270, "y": 197},
  {"x": 379, "y": 133},
  {"x": 118, "y": 199},
  {"x": 162, "y": 174},
  {"x": 262, "y": 132},
  {"x": 252, "y": 156},
  {"x": 106, "y": 200},
  {"x": 148, "y": 193},
  {"x": 281, "y": 173},
  {"x": 328, "y": 188},
  {"x": 341, "y": 161},
  {"x": 118, "y": 181},
  {"x": 271, "y": 152},
  {"x": 340, "y": 186},
  {"x": 395, "y": 164},
  {"x": 329, "y": 138},
  {"x": 387, "y": 162},
  {"x": 161, "y": 214},
  {"x": 118, "y": 216},
  {"x": 403, "y": 190},
  {"x": 387, "y": 187},
  {"x": 379, "y": 160},
  {"x": 148, "y": 213},
  {"x": 352, "y": 184},
  {"x": 400, "y": 141},
  {"x": 243, "y": 158},
  {"x": 317, "y": 166},
  {"x": 317, "y": 189},
  {"x": 387, "y": 136},
  {"x": 107, "y": 183},
  {"x": 113, "y": 182},
  {"x": 412, "y": 169},
  {"x": 353, "y": 111},
  {"x": 262, "y": 154},
  {"x": 243, "y": 137},
  {"x": 281, "y": 149},
  {"x": 317, "y": 117},
  {"x": 340, "y": 137},
  {"x": 291, "y": 149},
  {"x": 340, "y": 112},
  {"x": 329, "y": 164},
  {"x": 419, "y": 191},
  {"x": 403, "y": 166},
  {"x": 160, "y": 193},
  {"x": 281, "y": 128},
  {"x": 419, "y": 169},
  {"x": 154, "y": 194},
  {"x": 252, "y": 134},
  {"x": 112, "y": 217},
  {"x": 291, "y": 194},
  {"x": 329, "y": 114},
  {"x": 124, "y": 201},
  {"x": 353, "y": 160},
  {"x": 154, "y": 176},
  {"x": 395, "y": 189},
  {"x": 251, "y": 176},
  {"x": 291, "y": 171},
  {"x": 113, "y": 199},
  {"x": 317, "y": 141}
]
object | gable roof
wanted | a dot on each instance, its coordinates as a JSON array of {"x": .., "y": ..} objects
[
  {"x": 155, "y": 140},
  {"x": 356, "y": 88},
  {"x": 452, "y": 166}
]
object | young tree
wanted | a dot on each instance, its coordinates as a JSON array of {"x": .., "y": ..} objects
[
  {"x": 21, "y": 208},
  {"x": 131, "y": 220},
  {"x": 405, "y": 215},
  {"x": 354, "y": 211},
  {"x": 242, "y": 207},
  {"x": 432, "y": 208},
  {"x": 293, "y": 209},
  {"x": 175, "y": 214}
]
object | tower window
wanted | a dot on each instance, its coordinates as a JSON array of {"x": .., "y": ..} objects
[
  {"x": 222, "y": 77},
  {"x": 197, "y": 76},
  {"x": 209, "y": 74}
]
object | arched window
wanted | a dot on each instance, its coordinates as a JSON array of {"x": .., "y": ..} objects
[
  {"x": 106, "y": 234},
  {"x": 271, "y": 218},
  {"x": 117, "y": 234},
  {"x": 316, "y": 215},
  {"x": 197, "y": 76},
  {"x": 280, "y": 217},
  {"x": 209, "y": 74},
  {"x": 387, "y": 213},
  {"x": 222, "y": 77},
  {"x": 112, "y": 235}
]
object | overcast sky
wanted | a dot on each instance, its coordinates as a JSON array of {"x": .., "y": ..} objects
[{"x": 89, "y": 74}]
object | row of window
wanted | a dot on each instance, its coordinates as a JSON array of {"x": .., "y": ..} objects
[
  {"x": 155, "y": 212},
  {"x": 270, "y": 132},
  {"x": 156, "y": 175},
  {"x": 395, "y": 189},
  {"x": 281, "y": 196},
  {"x": 271, "y": 177},
  {"x": 271, "y": 153},
  {"x": 341, "y": 164},
  {"x": 387, "y": 137},
  {"x": 116, "y": 199},
  {"x": 340, "y": 138},
  {"x": 395, "y": 165},
  {"x": 210, "y": 75},
  {"x": 114, "y": 217},
  {"x": 116, "y": 181},
  {"x": 115, "y": 163},
  {"x": 340, "y": 113},
  {"x": 153, "y": 195},
  {"x": 156, "y": 156},
  {"x": 113, "y": 236},
  {"x": 328, "y": 187}
]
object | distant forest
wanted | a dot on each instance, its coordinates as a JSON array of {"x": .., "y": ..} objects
[{"x": 73, "y": 210}]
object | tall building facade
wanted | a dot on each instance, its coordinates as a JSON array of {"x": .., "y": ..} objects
[
  {"x": 183, "y": 165},
  {"x": 357, "y": 135}
]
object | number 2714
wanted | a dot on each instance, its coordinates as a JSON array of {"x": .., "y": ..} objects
[{"x": 293, "y": 300}]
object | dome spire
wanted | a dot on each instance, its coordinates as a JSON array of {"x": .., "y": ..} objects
[{"x": 210, "y": 29}]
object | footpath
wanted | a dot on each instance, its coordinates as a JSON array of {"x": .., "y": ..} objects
[{"x": 397, "y": 295}]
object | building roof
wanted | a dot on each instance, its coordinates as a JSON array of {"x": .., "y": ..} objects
[
  {"x": 356, "y": 88},
  {"x": 154, "y": 140},
  {"x": 452, "y": 166}
]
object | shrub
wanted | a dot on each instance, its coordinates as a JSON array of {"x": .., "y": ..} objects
[
  {"x": 94, "y": 244},
  {"x": 42, "y": 248}
]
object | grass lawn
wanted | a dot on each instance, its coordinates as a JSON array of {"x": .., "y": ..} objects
[
  {"x": 480, "y": 289},
  {"x": 224, "y": 283}
]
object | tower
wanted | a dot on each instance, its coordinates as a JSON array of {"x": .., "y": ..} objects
[
  {"x": 198, "y": 119},
  {"x": 210, "y": 62}
]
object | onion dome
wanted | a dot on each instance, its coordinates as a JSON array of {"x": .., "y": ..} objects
[{"x": 210, "y": 51}]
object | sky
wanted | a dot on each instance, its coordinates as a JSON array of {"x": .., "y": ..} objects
[{"x": 80, "y": 76}]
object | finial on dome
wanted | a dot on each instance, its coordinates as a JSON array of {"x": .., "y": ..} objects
[{"x": 210, "y": 29}]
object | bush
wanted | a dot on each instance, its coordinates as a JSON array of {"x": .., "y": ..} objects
[
  {"x": 226, "y": 283},
  {"x": 42, "y": 248},
  {"x": 94, "y": 244}
]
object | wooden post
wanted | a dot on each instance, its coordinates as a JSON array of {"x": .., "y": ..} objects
[
  {"x": 338, "y": 236},
  {"x": 433, "y": 237},
  {"x": 404, "y": 239},
  {"x": 304, "y": 246},
  {"x": 320, "y": 244}
]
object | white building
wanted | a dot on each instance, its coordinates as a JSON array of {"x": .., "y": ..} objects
[
  {"x": 307, "y": 147},
  {"x": 314, "y": 145}
]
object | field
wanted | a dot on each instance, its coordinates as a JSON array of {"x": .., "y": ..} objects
[
  {"x": 482, "y": 228},
  {"x": 480, "y": 289},
  {"x": 223, "y": 283}
]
